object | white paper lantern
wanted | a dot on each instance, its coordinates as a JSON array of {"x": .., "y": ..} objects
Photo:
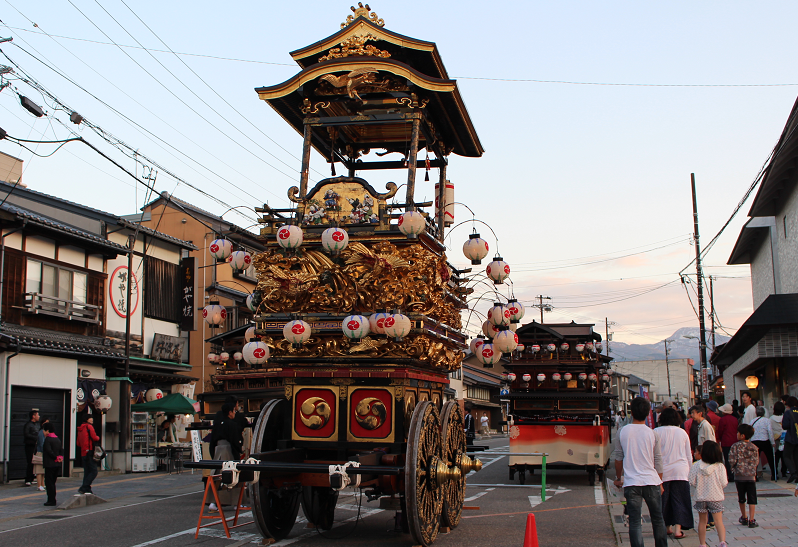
[
  {"x": 605, "y": 377},
  {"x": 475, "y": 249},
  {"x": 296, "y": 331},
  {"x": 582, "y": 376},
  {"x": 377, "y": 322},
  {"x": 517, "y": 310},
  {"x": 526, "y": 377},
  {"x": 237, "y": 356},
  {"x": 579, "y": 348},
  {"x": 511, "y": 377},
  {"x": 290, "y": 237},
  {"x": 488, "y": 355},
  {"x": 397, "y": 325},
  {"x": 249, "y": 334},
  {"x": 589, "y": 346},
  {"x": 214, "y": 314},
  {"x": 592, "y": 377},
  {"x": 103, "y": 403},
  {"x": 535, "y": 348},
  {"x": 489, "y": 329},
  {"x": 541, "y": 377},
  {"x": 506, "y": 341},
  {"x": 255, "y": 353},
  {"x": 551, "y": 348},
  {"x": 564, "y": 347},
  {"x": 153, "y": 394},
  {"x": 598, "y": 347},
  {"x": 240, "y": 260},
  {"x": 475, "y": 344},
  {"x": 520, "y": 347},
  {"x": 567, "y": 376},
  {"x": 498, "y": 270},
  {"x": 499, "y": 315},
  {"x": 251, "y": 303},
  {"x": 355, "y": 327},
  {"x": 220, "y": 249},
  {"x": 211, "y": 357},
  {"x": 556, "y": 377},
  {"x": 411, "y": 223},
  {"x": 334, "y": 240},
  {"x": 80, "y": 396},
  {"x": 224, "y": 357}
]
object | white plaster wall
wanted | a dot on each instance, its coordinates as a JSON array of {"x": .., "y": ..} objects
[
  {"x": 14, "y": 240},
  {"x": 762, "y": 272},
  {"x": 97, "y": 372},
  {"x": 155, "y": 326},
  {"x": 113, "y": 320},
  {"x": 731, "y": 377},
  {"x": 96, "y": 263},
  {"x": 788, "y": 245},
  {"x": 72, "y": 255},
  {"x": 163, "y": 250},
  {"x": 40, "y": 246}
]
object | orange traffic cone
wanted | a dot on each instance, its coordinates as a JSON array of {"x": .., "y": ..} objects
[{"x": 531, "y": 534}]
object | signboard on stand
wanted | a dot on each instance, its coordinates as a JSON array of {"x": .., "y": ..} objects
[{"x": 196, "y": 445}]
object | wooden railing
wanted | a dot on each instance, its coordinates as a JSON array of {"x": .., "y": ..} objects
[{"x": 41, "y": 304}]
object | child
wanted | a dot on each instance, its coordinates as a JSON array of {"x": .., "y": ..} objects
[
  {"x": 743, "y": 459},
  {"x": 708, "y": 476}
]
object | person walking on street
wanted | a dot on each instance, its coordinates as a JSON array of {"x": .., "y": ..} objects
[
  {"x": 790, "y": 424},
  {"x": 708, "y": 476},
  {"x": 87, "y": 436},
  {"x": 712, "y": 414},
  {"x": 763, "y": 438},
  {"x": 483, "y": 421},
  {"x": 744, "y": 458},
  {"x": 638, "y": 468},
  {"x": 727, "y": 435},
  {"x": 778, "y": 445},
  {"x": 30, "y": 432},
  {"x": 705, "y": 433},
  {"x": 749, "y": 415},
  {"x": 52, "y": 457},
  {"x": 676, "y": 462},
  {"x": 469, "y": 427}
]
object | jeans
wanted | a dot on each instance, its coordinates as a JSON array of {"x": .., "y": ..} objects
[
  {"x": 89, "y": 472},
  {"x": 634, "y": 505},
  {"x": 30, "y": 450},
  {"x": 50, "y": 476}
]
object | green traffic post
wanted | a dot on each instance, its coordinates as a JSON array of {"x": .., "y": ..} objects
[{"x": 543, "y": 480}]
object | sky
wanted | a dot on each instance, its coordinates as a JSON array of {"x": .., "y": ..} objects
[{"x": 585, "y": 186}]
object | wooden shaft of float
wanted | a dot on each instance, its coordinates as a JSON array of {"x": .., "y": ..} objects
[
  {"x": 303, "y": 179},
  {"x": 298, "y": 467},
  {"x": 441, "y": 202},
  {"x": 412, "y": 164}
]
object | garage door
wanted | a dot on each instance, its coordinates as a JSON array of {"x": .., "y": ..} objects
[{"x": 51, "y": 404}]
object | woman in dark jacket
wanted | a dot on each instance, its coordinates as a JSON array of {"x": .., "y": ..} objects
[{"x": 52, "y": 456}]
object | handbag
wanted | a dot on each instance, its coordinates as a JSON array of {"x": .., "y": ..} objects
[
  {"x": 37, "y": 459},
  {"x": 99, "y": 453}
]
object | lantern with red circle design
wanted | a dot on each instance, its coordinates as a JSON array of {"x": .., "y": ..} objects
[
  {"x": 506, "y": 341},
  {"x": 579, "y": 348},
  {"x": 212, "y": 357},
  {"x": 297, "y": 332},
  {"x": 103, "y": 403},
  {"x": 489, "y": 329},
  {"x": 556, "y": 377},
  {"x": 153, "y": 394},
  {"x": 240, "y": 260},
  {"x": 498, "y": 270},
  {"x": 564, "y": 347},
  {"x": 520, "y": 348},
  {"x": 255, "y": 353},
  {"x": 355, "y": 327},
  {"x": 290, "y": 237},
  {"x": 567, "y": 376},
  {"x": 526, "y": 377},
  {"x": 220, "y": 249},
  {"x": 214, "y": 314},
  {"x": 516, "y": 310},
  {"x": 541, "y": 377},
  {"x": 224, "y": 356},
  {"x": 475, "y": 249},
  {"x": 605, "y": 377},
  {"x": 499, "y": 315},
  {"x": 334, "y": 240},
  {"x": 476, "y": 343},
  {"x": 377, "y": 322},
  {"x": 582, "y": 376},
  {"x": 488, "y": 355},
  {"x": 511, "y": 377},
  {"x": 411, "y": 223},
  {"x": 397, "y": 325},
  {"x": 237, "y": 356},
  {"x": 589, "y": 346},
  {"x": 592, "y": 377},
  {"x": 535, "y": 348},
  {"x": 551, "y": 348}
]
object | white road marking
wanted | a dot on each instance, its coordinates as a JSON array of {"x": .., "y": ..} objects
[
  {"x": 599, "y": 492},
  {"x": 536, "y": 500},
  {"x": 478, "y": 495},
  {"x": 203, "y": 532}
]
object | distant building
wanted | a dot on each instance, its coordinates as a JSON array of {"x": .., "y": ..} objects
[
  {"x": 619, "y": 386},
  {"x": 657, "y": 371}
]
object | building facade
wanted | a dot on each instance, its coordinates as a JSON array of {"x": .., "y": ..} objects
[{"x": 674, "y": 379}]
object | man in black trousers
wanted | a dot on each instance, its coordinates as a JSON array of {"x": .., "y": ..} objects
[{"x": 468, "y": 425}]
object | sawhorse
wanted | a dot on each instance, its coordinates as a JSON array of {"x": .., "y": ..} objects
[{"x": 210, "y": 485}]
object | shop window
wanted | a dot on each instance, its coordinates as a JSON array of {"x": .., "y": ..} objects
[{"x": 60, "y": 283}]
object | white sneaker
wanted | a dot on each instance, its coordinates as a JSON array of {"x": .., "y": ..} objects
[
  {"x": 212, "y": 507},
  {"x": 42, "y": 489},
  {"x": 27, "y": 484}
]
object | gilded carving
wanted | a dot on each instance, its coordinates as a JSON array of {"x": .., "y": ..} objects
[
  {"x": 315, "y": 412},
  {"x": 313, "y": 108},
  {"x": 370, "y": 413},
  {"x": 361, "y": 80},
  {"x": 365, "y": 12},
  {"x": 355, "y": 45},
  {"x": 289, "y": 392}
]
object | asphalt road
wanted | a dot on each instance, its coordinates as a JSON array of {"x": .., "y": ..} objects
[{"x": 572, "y": 515}]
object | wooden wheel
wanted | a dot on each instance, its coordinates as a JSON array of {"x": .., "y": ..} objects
[
  {"x": 318, "y": 505},
  {"x": 453, "y": 443},
  {"x": 275, "y": 509},
  {"x": 423, "y": 495}
]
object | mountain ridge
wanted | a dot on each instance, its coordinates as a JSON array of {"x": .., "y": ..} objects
[{"x": 680, "y": 348}]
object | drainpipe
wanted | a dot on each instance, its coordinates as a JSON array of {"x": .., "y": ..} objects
[{"x": 7, "y": 412}]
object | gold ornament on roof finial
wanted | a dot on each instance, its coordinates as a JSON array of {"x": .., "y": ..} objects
[{"x": 365, "y": 12}]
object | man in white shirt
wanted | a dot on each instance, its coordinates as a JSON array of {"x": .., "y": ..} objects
[
  {"x": 483, "y": 421},
  {"x": 705, "y": 430},
  {"x": 750, "y": 410},
  {"x": 639, "y": 461}
]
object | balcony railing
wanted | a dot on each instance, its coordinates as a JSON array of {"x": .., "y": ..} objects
[{"x": 41, "y": 304}]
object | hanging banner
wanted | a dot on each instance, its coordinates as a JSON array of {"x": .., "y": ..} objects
[
  {"x": 187, "y": 303},
  {"x": 196, "y": 445}
]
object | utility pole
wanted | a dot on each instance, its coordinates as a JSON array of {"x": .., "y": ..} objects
[
  {"x": 668, "y": 366},
  {"x": 712, "y": 313},
  {"x": 702, "y": 339},
  {"x": 541, "y": 306}
]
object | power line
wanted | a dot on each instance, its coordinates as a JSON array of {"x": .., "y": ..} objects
[{"x": 596, "y": 261}]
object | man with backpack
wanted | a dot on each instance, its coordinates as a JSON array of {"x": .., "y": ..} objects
[{"x": 86, "y": 439}]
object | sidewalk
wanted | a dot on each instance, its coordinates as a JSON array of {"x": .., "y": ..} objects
[
  {"x": 775, "y": 513},
  {"x": 18, "y": 501}
]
